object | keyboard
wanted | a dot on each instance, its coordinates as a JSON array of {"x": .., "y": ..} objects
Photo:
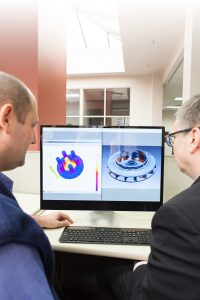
[{"x": 106, "y": 235}]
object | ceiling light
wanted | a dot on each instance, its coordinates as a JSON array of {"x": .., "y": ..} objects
[
  {"x": 178, "y": 99},
  {"x": 72, "y": 95},
  {"x": 172, "y": 107}
]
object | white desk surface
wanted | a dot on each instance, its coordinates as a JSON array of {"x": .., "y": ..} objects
[
  {"x": 121, "y": 219},
  {"x": 30, "y": 203}
]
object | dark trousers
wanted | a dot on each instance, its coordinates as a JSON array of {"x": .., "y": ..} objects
[{"x": 116, "y": 277}]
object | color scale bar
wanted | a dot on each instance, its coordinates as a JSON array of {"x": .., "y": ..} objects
[{"x": 97, "y": 174}]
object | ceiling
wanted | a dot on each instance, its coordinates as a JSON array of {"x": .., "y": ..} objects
[{"x": 152, "y": 31}]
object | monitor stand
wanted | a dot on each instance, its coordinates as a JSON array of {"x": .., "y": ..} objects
[{"x": 103, "y": 218}]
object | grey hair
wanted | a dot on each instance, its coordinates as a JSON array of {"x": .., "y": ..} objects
[
  {"x": 188, "y": 115},
  {"x": 14, "y": 91}
]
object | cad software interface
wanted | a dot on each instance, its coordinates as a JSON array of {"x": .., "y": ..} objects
[{"x": 101, "y": 164}]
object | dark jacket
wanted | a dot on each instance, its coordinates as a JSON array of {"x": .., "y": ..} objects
[{"x": 173, "y": 270}]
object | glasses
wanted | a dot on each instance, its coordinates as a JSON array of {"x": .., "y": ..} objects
[{"x": 169, "y": 139}]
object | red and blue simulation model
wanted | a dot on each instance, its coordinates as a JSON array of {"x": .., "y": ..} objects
[
  {"x": 70, "y": 165},
  {"x": 133, "y": 166}
]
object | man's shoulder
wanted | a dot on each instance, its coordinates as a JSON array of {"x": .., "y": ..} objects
[
  {"x": 185, "y": 203},
  {"x": 14, "y": 222},
  {"x": 6, "y": 181},
  {"x": 8, "y": 205},
  {"x": 187, "y": 196}
]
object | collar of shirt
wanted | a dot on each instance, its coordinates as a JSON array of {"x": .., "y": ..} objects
[{"x": 6, "y": 181}]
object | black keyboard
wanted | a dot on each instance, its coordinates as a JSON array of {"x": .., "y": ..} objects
[{"x": 106, "y": 235}]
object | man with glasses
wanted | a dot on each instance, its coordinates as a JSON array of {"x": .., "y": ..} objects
[{"x": 173, "y": 268}]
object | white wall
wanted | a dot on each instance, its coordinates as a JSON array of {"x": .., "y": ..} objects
[
  {"x": 27, "y": 178},
  {"x": 174, "y": 180}
]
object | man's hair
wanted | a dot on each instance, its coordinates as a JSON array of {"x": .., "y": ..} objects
[
  {"x": 14, "y": 91},
  {"x": 188, "y": 115}
]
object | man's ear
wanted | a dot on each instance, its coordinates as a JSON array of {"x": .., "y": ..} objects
[
  {"x": 195, "y": 139},
  {"x": 6, "y": 113}
]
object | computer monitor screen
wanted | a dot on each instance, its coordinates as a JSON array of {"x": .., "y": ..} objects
[{"x": 108, "y": 168}]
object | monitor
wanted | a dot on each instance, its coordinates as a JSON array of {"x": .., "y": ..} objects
[{"x": 102, "y": 168}]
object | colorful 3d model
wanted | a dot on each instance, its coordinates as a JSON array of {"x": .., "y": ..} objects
[
  {"x": 131, "y": 166},
  {"x": 70, "y": 165}
]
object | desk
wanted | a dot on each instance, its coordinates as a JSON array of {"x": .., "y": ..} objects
[
  {"x": 30, "y": 204},
  {"x": 123, "y": 219}
]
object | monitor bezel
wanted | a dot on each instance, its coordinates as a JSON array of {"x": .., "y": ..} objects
[{"x": 101, "y": 205}]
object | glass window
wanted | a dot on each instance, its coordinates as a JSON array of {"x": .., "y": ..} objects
[
  {"x": 93, "y": 121},
  {"x": 117, "y": 121},
  {"x": 117, "y": 102},
  {"x": 72, "y": 120},
  {"x": 93, "y": 102},
  {"x": 98, "y": 107},
  {"x": 73, "y": 102}
]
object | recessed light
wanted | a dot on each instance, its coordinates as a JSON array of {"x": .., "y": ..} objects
[
  {"x": 171, "y": 107},
  {"x": 72, "y": 95},
  {"x": 178, "y": 99}
]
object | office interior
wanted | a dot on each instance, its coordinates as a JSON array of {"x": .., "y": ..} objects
[{"x": 161, "y": 64}]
